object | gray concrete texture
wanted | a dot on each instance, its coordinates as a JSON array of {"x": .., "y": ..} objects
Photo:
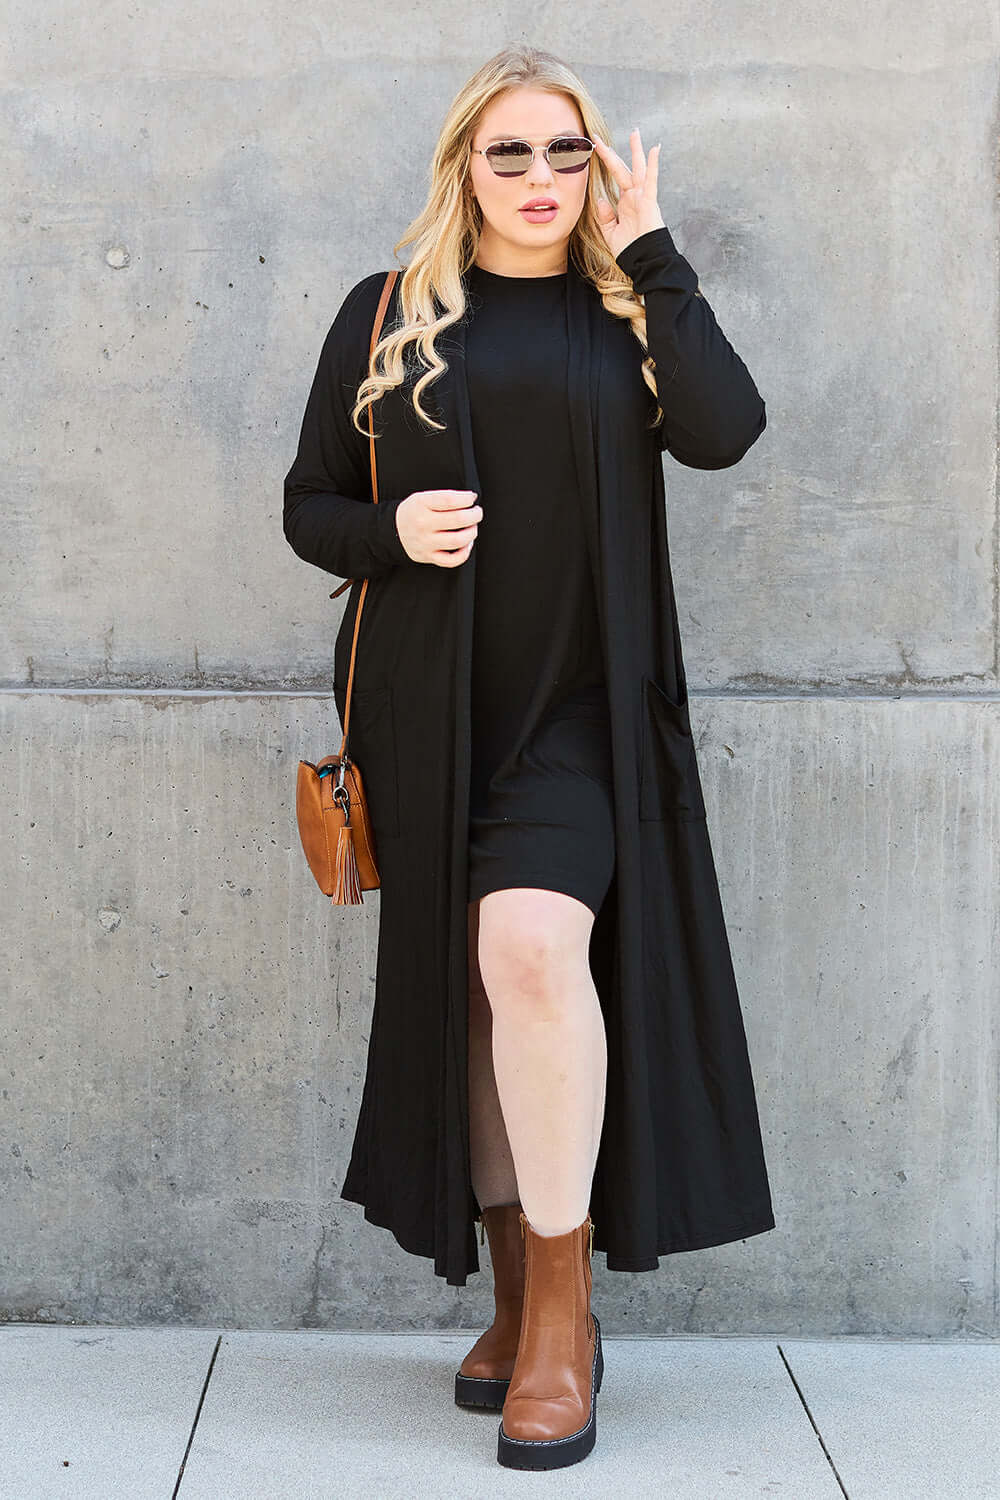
[
  {"x": 319, "y": 1415},
  {"x": 185, "y": 1018},
  {"x": 189, "y": 1023}
]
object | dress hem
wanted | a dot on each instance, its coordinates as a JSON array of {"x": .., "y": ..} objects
[{"x": 759, "y": 1221}]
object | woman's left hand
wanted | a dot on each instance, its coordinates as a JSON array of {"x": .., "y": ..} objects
[{"x": 638, "y": 210}]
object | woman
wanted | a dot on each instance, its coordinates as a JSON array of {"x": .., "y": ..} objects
[{"x": 556, "y": 1027}]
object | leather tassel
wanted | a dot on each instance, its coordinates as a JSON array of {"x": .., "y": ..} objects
[{"x": 347, "y": 883}]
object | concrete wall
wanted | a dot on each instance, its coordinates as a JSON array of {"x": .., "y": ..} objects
[{"x": 185, "y": 1019}]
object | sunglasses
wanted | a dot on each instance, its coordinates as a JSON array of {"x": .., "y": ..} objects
[{"x": 569, "y": 153}]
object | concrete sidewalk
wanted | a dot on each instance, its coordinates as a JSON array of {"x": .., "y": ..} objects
[{"x": 138, "y": 1412}]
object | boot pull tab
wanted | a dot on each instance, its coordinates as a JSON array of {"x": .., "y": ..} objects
[
  {"x": 522, "y": 1224},
  {"x": 590, "y": 1251}
]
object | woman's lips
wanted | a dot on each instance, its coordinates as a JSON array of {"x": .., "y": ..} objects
[{"x": 538, "y": 215}]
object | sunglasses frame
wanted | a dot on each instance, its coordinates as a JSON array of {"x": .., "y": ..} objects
[{"x": 518, "y": 141}]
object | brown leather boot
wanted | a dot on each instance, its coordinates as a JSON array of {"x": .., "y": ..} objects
[
  {"x": 484, "y": 1374},
  {"x": 550, "y": 1413}
]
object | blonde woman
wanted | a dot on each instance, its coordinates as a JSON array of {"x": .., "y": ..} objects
[{"x": 557, "y": 1049}]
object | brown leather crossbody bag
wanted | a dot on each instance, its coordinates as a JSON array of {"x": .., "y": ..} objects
[{"x": 330, "y": 803}]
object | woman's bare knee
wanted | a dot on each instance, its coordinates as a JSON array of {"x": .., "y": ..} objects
[{"x": 533, "y": 946}]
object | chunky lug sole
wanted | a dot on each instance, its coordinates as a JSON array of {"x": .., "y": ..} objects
[
  {"x": 556, "y": 1453},
  {"x": 476, "y": 1391}
]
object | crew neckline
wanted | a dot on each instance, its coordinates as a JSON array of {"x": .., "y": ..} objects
[{"x": 497, "y": 276}]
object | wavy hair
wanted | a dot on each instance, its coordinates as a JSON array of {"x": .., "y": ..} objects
[{"x": 445, "y": 234}]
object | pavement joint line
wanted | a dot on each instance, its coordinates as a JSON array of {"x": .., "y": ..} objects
[
  {"x": 194, "y": 1424},
  {"x": 819, "y": 1435}
]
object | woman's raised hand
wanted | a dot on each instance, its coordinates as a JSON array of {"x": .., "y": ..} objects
[
  {"x": 438, "y": 526},
  {"x": 638, "y": 210}
]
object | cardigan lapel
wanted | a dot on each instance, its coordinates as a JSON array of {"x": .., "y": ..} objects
[{"x": 454, "y": 401}]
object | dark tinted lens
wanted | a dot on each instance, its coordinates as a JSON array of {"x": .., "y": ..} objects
[
  {"x": 509, "y": 158},
  {"x": 570, "y": 154}
]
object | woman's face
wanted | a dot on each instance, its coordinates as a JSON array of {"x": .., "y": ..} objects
[{"x": 508, "y": 238}]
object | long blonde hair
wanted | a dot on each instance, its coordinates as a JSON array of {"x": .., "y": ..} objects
[{"x": 445, "y": 234}]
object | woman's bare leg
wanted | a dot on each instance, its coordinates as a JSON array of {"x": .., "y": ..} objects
[
  {"x": 492, "y": 1166},
  {"x": 549, "y": 1047}
]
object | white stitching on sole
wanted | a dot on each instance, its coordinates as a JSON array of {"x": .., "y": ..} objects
[{"x": 553, "y": 1442}]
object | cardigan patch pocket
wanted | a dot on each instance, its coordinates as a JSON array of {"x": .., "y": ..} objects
[
  {"x": 372, "y": 746},
  {"x": 669, "y": 784}
]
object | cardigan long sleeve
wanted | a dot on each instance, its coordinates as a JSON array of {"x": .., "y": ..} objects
[
  {"x": 329, "y": 518},
  {"x": 712, "y": 410}
]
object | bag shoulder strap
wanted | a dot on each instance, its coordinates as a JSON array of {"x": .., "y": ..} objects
[{"x": 383, "y": 302}]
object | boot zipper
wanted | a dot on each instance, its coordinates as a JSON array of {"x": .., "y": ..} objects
[{"x": 590, "y": 1250}]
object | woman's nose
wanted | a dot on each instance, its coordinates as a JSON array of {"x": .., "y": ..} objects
[{"x": 540, "y": 173}]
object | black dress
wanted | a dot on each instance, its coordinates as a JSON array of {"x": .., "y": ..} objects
[{"x": 541, "y": 800}]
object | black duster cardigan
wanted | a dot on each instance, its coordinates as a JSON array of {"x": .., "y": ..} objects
[{"x": 680, "y": 1164}]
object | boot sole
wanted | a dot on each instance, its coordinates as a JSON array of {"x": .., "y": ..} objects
[
  {"x": 556, "y": 1453},
  {"x": 479, "y": 1392}
]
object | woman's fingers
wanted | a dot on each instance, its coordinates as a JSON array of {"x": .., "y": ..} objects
[
  {"x": 422, "y": 521},
  {"x": 652, "y": 170},
  {"x": 637, "y": 177},
  {"x": 446, "y": 559},
  {"x": 615, "y": 165},
  {"x": 458, "y": 545},
  {"x": 638, "y": 158},
  {"x": 638, "y": 202}
]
